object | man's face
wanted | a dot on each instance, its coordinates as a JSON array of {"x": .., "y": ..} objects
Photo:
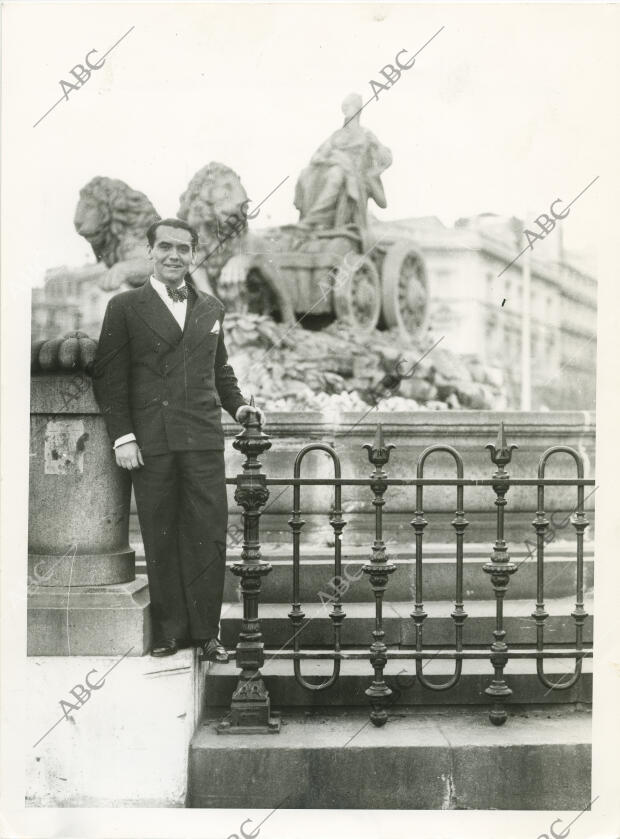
[{"x": 172, "y": 254}]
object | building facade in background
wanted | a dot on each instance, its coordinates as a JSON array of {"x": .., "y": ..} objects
[
  {"x": 476, "y": 304},
  {"x": 70, "y": 300}
]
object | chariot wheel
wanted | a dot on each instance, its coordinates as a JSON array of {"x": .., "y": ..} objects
[
  {"x": 357, "y": 291},
  {"x": 404, "y": 289}
]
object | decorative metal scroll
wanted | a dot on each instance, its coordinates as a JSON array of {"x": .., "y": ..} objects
[
  {"x": 296, "y": 523},
  {"x": 540, "y": 523},
  {"x": 458, "y": 615}
]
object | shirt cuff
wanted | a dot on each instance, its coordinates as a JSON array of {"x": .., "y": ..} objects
[{"x": 126, "y": 438}]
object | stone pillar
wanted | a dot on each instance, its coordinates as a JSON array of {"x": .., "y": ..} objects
[{"x": 83, "y": 594}]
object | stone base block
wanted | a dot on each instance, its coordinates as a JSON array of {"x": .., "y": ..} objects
[
  {"x": 125, "y": 744},
  {"x": 89, "y": 620}
]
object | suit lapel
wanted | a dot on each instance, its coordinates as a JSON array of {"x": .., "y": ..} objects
[
  {"x": 154, "y": 312},
  {"x": 200, "y": 316},
  {"x": 199, "y": 320}
]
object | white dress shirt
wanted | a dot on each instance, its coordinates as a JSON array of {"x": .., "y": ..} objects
[{"x": 178, "y": 310}]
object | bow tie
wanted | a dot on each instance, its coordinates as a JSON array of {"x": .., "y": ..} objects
[{"x": 177, "y": 294}]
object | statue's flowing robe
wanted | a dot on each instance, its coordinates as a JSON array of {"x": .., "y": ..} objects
[{"x": 333, "y": 190}]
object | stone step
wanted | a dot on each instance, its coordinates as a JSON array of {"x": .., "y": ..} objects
[
  {"x": 441, "y": 759},
  {"x": 360, "y": 528},
  {"x": 356, "y": 675},
  {"x": 439, "y": 574},
  {"x": 317, "y": 629}
]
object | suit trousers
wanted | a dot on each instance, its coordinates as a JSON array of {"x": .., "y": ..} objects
[{"x": 183, "y": 511}]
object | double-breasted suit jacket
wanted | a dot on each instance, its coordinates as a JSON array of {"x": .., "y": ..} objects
[
  {"x": 167, "y": 386},
  {"x": 163, "y": 385}
]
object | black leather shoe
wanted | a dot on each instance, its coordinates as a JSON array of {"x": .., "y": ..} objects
[
  {"x": 168, "y": 646},
  {"x": 213, "y": 650}
]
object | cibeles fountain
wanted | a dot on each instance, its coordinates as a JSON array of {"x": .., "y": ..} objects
[
  {"x": 324, "y": 314},
  {"x": 328, "y": 327}
]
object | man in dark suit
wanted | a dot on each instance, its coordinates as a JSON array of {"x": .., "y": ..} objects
[{"x": 161, "y": 378}]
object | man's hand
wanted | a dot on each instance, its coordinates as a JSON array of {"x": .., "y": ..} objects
[
  {"x": 243, "y": 414},
  {"x": 129, "y": 456}
]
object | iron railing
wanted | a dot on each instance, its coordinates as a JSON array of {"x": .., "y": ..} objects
[{"x": 250, "y": 709}]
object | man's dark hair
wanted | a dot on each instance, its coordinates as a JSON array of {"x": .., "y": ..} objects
[{"x": 171, "y": 222}]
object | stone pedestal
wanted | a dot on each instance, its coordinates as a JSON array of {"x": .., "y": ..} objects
[
  {"x": 83, "y": 594},
  {"x": 89, "y": 620}
]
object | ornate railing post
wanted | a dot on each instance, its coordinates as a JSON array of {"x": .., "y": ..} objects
[
  {"x": 250, "y": 707},
  {"x": 500, "y": 568},
  {"x": 378, "y": 570}
]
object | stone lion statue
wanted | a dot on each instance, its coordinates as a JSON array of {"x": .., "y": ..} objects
[
  {"x": 114, "y": 218},
  {"x": 215, "y": 204}
]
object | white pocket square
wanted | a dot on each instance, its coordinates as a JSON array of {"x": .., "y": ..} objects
[{"x": 216, "y": 326}]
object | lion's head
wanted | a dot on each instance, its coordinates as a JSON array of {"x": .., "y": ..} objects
[
  {"x": 109, "y": 214},
  {"x": 213, "y": 195},
  {"x": 214, "y": 204}
]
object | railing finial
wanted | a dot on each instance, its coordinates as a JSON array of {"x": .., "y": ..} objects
[
  {"x": 501, "y": 452},
  {"x": 378, "y": 452}
]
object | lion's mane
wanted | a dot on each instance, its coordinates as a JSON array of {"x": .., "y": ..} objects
[
  {"x": 222, "y": 189},
  {"x": 125, "y": 216},
  {"x": 216, "y": 176}
]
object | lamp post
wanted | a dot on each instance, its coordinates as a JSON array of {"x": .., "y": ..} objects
[{"x": 526, "y": 335}]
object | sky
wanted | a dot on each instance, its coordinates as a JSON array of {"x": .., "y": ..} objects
[{"x": 503, "y": 111}]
